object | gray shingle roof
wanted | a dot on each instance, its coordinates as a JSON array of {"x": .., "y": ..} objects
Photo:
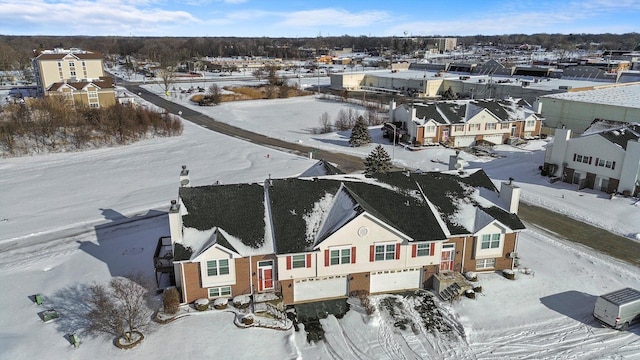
[
  {"x": 237, "y": 208},
  {"x": 395, "y": 198},
  {"x": 453, "y": 112},
  {"x": 623, "y": 134}
]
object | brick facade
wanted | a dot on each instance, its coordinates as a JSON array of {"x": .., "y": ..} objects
[
  {"x": 191, "y": 288},
  {"x": 359, "y": 282}
]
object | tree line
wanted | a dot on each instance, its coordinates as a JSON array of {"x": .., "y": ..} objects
[
  {"x": 48, "y": 125},
  {"x": 16, "y": 51}
]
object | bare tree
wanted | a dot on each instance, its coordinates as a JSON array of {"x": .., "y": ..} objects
[
  {"x": 215, "y": 94},
  {"x": 325, "y": 123},
  {"x": 258, "y": 73},
  {"x": 121, "y": 308},
  {"x": 166, "y": 76}
]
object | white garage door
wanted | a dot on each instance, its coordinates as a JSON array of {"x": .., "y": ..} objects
[
  {"x": 382, "y": 281},
  {"x": 464, "y": 141},
  {"x": 319, "y": 288},
  {"x": 494, "y": 139}
]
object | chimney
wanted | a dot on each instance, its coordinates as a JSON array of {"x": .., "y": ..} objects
[
  {"x": 556, "y": 153},
  {"x": 455, "y": 163},
  {"x": 175, "y": 222},
  {"x": 510, "y": 195},
  {"x": 184, "y": 177}
]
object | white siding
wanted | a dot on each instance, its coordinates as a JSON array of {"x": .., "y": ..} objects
[{"x": 215, "y": 253}]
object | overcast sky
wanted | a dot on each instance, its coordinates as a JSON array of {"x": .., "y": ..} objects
[{"x": 293, "y": 18}]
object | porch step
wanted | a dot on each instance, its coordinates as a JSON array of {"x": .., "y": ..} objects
[{"x": 450, "y": 292}]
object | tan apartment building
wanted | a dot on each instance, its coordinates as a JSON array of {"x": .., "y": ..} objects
[{"x": 74, "y": 73}]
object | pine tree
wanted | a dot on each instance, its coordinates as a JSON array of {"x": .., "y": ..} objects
[
  {"x": 378, "y": 161},
  {"x": 360, "y": 133}
]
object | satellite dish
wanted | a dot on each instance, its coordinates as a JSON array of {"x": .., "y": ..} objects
[{"x": 458, "y": 166}]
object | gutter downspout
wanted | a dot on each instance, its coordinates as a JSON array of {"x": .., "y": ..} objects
[
  {"x": 253, "y": 310},
  {"x": 184, "y": 283},
  {"x": 464, "y": 251},
  {"x": 515, "y": 249}
]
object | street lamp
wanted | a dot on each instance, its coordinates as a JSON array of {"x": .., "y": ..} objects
[{"x": 393, "y": 150}]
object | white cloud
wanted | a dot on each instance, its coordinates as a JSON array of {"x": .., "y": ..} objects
[
  {"x": 89, "y": 17},
  {"x": 333, "y": 17}
]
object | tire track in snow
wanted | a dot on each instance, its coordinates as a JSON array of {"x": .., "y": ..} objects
[
  {"x": 342, "y": 341},
  {"x": 385, "y": 338},
  {"x": 439, "y": 345},
  {"x": 555, "y": 338}
]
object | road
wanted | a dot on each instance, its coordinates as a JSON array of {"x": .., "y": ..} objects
[
  {"x": 559, "y": 225},
  {"x": 347, "y": 163}
]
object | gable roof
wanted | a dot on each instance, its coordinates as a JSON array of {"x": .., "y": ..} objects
[
  {"x": 457, "y": 198},
  {"x": 301, "y": 213},
  {"x": 460, "y": 111},
  {"x": 321, "y": 168},
  {"x": 61, "y": 55},
  {"x": 617, "y": 132},
  {"x": 238, "y": 209},
  {"x": 104, "y": 82}
]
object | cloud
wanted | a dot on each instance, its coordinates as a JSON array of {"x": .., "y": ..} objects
[
  {"x": 330, "y": 17},
  {"x": 519, "y": 18},
  {"x": 90, "y": 17}
]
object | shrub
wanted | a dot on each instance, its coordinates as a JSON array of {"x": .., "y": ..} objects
[
  {"x": 201, "y": 304},
  {"x": 171, "y": 300},
  {"x": 369, "y": 308}
]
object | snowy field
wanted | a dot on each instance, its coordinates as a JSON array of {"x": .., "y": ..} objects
[
  {"x": 293, "y": 119},
  {"x": 65, "y": 223}
]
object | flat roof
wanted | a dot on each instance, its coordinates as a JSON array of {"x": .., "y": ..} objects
[
  {"x": 547, "y": 84},
  {"x": 627, "y": 95}
]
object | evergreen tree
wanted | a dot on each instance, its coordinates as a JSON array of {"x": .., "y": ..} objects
[
  {"x": 360, "y": 133},
  {"x": 378, "y": 161}
]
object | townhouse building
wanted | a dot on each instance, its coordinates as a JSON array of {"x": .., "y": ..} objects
[
  {"x": 325, "y": 237},
  {"x": 464, "y": 123}
]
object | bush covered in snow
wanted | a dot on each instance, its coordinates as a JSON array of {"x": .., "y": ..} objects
[
  {"x": 220, "y": 303},
  {"x": 471, "y": 276},
  {"x": 201, "y": 304},
  {"x": 241, "y": 301},
  {"x": 509, "y": 274}
]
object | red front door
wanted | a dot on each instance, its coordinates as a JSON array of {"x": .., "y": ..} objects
[
  {"x": 265, "y": 275},
  {"x": 448, "y": 257}
]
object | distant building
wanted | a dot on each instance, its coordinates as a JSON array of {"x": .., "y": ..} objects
[
  {"x": 76, "y": 74},
  {"x": 606, "y": 157},
  {"x": 464, "y": 123},
  {"x": 442, "y": 45},
  {"x": 576, "y": 110}
]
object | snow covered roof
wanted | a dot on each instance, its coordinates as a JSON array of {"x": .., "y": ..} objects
[
  {"x": 301, "y": 213},
  {"x": 616, "y": 132},
  {"x": 321, "y": 168},
  {"x": 236, "y": 209},
  {"x": 617, "y": 95},
  {"x": 459, "y": 111}
]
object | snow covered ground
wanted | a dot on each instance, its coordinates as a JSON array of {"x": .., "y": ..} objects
[
  {"x": 66, "y": 224},
  {"x": 293, "y": 119}
]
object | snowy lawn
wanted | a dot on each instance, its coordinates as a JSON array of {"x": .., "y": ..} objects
[{"x": 65, "y": 226}]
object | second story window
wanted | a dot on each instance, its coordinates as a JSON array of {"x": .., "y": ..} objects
[
  {"x": 218, "y": 267},
  {"x": 490, "y": 241},
  {"x": 385, "y": 252},
  {"x": 491, "y": 126},
  {"x": 298, "y": 261},
  {"x": 340, "y": 256}
]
